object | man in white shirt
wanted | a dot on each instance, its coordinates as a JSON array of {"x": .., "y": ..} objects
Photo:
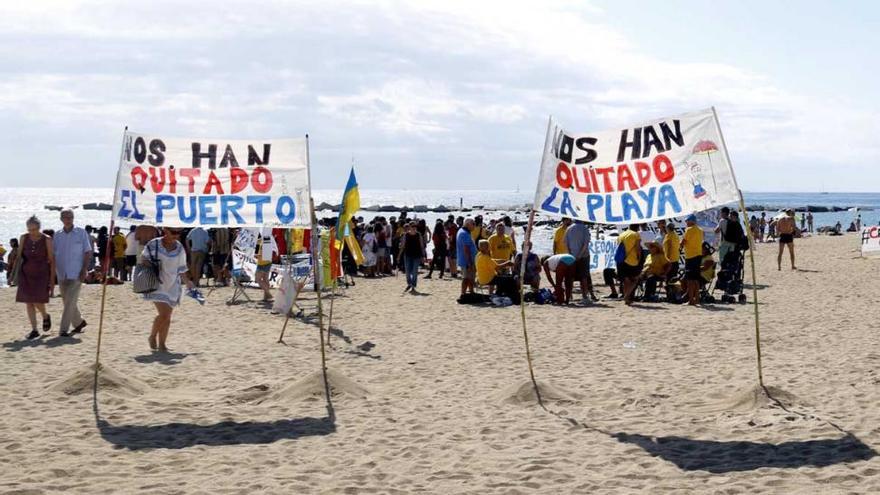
[
  {"x": 73, "y": 250},
  {"x": 132, "y": 250}
]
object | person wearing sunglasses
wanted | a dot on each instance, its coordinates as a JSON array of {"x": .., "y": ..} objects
[
  {"x": 171, "y": 257},
  {"x": 36, "y": 274}
]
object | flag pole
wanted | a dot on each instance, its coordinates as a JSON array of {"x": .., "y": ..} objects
[
  {"x": 522, "y": 272},
  {"x": 522, "y": 304},
  {"x": 315, "y": 258},
  {"x": 742, "y": 206},
  {"x": 106, "y": 266}
]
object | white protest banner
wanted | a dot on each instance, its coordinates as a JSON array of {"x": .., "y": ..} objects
[
  {"x": 246, "y": 241},
  {"x": 301, "y": 269},
  {"x": 182, "y": 182},
  {"x": 602, "y": 254},
  {"x": 665, "y": 168},
  {"x": 871, "y": 241}
]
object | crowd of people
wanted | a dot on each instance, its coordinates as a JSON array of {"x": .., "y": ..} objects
[
  {"x": 42, "y": 260},
  {"x": 486, "y": 256}
]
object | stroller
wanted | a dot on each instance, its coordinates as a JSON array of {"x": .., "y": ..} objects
[{"x": 730, "y": 277}]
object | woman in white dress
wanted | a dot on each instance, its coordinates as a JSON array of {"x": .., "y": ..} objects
[
  {"x": 369, "y": 249},
  {"x": 172, "y": 270}
]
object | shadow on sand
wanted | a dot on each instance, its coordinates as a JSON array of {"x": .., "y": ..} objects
[
  {"x": 183, "y": 435},
  {"x": 166, "y": 358},
  {"x": 41, "y": 341},
  {"x": 725, "y": 457},
  {"x": 720, "y": 457}
]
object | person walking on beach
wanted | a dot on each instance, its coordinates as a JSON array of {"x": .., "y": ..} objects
[
  {"x": 413, "y": 251},
  {"x": 36, "y": 274},
  {"x": 466, "y": 250},
  {"x": 172, "y": 269},
  {"x": 785, "y": 226},
  {"x": 72, "y": 252},
  {"x": 440, "y": 247},
  {"x": 692, "y": 243},
  {"x": 577, "y": 243},
  {"x": 809, "y": 222},
  {"x": 198, "y": 241},
  {"x": 859, "y": 223}
]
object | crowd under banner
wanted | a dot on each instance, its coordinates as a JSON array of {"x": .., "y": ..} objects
[
  {"x": 182, "y": 182},
  {"x": 665, "y": 168}
]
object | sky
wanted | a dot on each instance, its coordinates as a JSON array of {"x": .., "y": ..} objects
[{"x": 439, "y": 94}]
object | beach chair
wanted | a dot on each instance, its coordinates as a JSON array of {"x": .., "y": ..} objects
[{"x": 240, "y": 279}]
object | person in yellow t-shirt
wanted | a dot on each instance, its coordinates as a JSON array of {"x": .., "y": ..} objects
[
  {"x": 559, "y": 246},
  {"x": 479, "y": 231},
  {"x": 629, "y": 269},
  {"x": 487, "y": 267},
  {"x": 693, "y": 256},
  {"x": 671, "y": 248},
  {"x": 118, "y": 241},
  {"x": 500, "y": 245},
  {"x": 656, "y": 268}
]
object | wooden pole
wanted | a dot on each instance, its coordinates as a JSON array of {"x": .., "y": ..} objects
[
  {"x": 522, "y": 304},
  {"x": 742, "y": 206},
  {"x": 106, "y": 267},
  {"x": 315, "y": 258}
]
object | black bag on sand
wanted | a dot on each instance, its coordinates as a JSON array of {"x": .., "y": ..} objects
[{"x": 469, "y": 298}]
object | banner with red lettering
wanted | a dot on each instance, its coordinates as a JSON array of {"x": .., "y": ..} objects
[
  {"x": 180, "y": 182},
  {"x": 665, "y": 168},
  {"x": 871, "y": 241}
]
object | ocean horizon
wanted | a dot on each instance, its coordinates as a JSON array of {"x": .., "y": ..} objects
[{"x": 19, "y": 203}]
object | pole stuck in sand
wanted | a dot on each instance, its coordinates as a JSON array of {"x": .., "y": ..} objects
[
  {"x": 104, "y": 270},
  {"x": 522, "y": 274},
  {"x": 742, "y": 207},
  {"x": 522, "y": 304}
]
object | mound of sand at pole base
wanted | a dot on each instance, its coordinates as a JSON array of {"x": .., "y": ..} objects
[
  {"x": 310, "y": 387},
  {"x": 751, "y": 399},
  {"x": 109, "y": 380},
  {"x": 524, "y": 394}
]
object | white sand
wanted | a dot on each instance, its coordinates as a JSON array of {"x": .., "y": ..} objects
[{"x": 436, "y": 405}]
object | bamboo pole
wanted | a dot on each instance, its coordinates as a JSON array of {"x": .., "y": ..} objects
[
  {"x": 742, "y": 206},
  {"x": 106, "y": 267},
  {"x": 522, "y": 304}
]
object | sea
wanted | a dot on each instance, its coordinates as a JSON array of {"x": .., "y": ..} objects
[{"x": 18, "y": 204}]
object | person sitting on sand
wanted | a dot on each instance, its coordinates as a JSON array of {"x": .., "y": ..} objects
[
  {"x": 707, "y": 264},
  {"x": 487, "y": 266},
  {"x": 786, "y": 227},
  {"x": 656, "y": 268},
  {"x": 172, "y": 269},
  {"x": 563, "y": 266},
  {"x": 532, "y": 275},
  {"x": 630, "y": 241}
]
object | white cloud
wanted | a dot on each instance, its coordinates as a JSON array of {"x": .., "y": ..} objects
[{"x": 478, "y": 77}]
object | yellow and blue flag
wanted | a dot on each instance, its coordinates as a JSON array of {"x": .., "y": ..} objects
[{"x": 351, "y": 203}]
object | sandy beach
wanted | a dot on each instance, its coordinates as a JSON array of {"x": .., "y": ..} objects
[{"x": 429, "y": 395}]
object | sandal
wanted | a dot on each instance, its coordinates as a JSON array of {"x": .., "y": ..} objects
[{"x": 47, "y": 323}]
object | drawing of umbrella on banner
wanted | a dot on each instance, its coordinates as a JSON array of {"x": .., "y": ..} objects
[{"x": 706, "y": 147}]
